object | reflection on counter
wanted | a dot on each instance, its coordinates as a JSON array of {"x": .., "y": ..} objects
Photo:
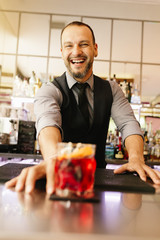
[{"x": 113, "y": 215}]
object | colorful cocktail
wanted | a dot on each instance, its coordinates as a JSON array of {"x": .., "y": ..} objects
[{"x": 75, "y": 169}]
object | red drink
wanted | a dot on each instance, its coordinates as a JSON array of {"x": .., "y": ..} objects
[{"x": 74, "y": 173}]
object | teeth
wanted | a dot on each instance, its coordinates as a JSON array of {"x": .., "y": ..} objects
[{"x": 77, "y": 61}]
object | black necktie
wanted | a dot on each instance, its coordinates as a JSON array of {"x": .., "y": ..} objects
[{"x": 83, "y": 101}]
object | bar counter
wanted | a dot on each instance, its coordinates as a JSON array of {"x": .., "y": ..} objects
[{"x": 118, "y": 215}]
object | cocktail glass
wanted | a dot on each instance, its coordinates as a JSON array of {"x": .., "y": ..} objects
[{"x": 75, "y": 169}]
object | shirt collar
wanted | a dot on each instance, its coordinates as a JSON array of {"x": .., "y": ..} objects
[{"x": 71, "y": 81}]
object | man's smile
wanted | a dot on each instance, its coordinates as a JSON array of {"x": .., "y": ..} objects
[{"x": 78, "y": 61}]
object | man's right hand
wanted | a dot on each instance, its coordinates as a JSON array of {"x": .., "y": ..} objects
[
  {"x": 48, "y": 139},
  {"x": 28, "y": 177}
]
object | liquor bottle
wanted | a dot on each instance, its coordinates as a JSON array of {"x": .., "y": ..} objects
[
  {"x": 32, "y": 82},
  {"x": 135, "y": 98},
  {"x": 109, "y": 148},
  {"x": 119, "y": 152},
  {"x": 151, "y": 139},
  {"x": 37, "y": 85},
  {"x": 114, "y": 78},
  {"x": 146, "y": 152},
  {"x": 156, "y": 150},
  {"x": 146, "y": 140},
  {"x": 129, "y": 89}
]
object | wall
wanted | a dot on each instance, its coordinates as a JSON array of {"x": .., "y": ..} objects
[{"x": 128, "y": 36}]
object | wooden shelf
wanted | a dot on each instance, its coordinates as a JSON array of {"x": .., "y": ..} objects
[{"x": 4, "y": 74}]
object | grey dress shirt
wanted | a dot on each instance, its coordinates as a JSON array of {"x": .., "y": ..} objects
[{"x": 48, "y": 101}]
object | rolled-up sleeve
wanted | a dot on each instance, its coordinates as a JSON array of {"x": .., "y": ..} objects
[
  {"x": 122, "y": 114},
  {"x": 47, "y": 105}
]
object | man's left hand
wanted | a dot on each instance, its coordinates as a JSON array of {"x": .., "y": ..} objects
[{"x": 142, "y": 169}]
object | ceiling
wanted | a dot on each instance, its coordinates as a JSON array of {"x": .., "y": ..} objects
[{"x": 153, "y": 2}]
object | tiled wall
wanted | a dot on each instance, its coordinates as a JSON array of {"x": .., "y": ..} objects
[{"x": 128, "y": 48}]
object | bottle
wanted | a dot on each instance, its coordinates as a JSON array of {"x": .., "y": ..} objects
[
  {"x": 150, "y": 130},
  {"x": 146, "y": 137},
  {"x": 37, "y": 85},
  {"x": 17, "y": 87},
  {"x": 109, "y": 148},
  {"x": 129, "y": 94},
  {"x": 37, "y": 148},
  {"x": 156, "y": 151},
  {"x": 146, "y": 152},
  {"x": 151, "y": 148},
  {"x": 119, "y": 152},
  {"x": 114, "y": 78},
  {"x": 25, "y": 88},
  {"x": 135, "y": 96},
  {"x": 32, "y": 82}
]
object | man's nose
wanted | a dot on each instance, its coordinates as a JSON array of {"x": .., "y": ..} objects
[{"x": 76, "y": 50}]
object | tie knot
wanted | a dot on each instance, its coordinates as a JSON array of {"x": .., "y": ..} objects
[{"x": 81, "y": 86}]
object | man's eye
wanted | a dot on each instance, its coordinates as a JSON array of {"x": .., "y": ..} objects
[
  {"x": 68, "y": 46},
  {"x": 84, "y": 44}
]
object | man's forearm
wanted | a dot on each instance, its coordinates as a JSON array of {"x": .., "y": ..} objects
[
  {"x": 134, "y": 146},
  {"x": 48, "y": 139}
]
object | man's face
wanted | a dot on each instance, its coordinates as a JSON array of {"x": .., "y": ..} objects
[{"x": 78, "y": 51}]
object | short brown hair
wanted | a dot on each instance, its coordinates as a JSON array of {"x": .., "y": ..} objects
[{"x": 77, "y": 23}]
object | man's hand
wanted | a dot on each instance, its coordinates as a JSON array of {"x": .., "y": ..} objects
[
  {"x": 134, "y": 145},
  {"x": 142, "y": 169},
  {"x": 28, "y": 177},
  {"x": 48, "y": 139}
]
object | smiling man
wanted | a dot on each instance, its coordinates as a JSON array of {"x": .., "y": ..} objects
[
  {"x": 78, "y": 55},
  {"x": 59, "y": 117}
]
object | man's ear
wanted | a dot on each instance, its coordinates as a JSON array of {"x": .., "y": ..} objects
[
  {"x": 61, "y": 53},
  {"x": 95, "y": 50}
]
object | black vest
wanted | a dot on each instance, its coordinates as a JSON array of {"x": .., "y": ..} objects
[{"x": 73, "y": 125}]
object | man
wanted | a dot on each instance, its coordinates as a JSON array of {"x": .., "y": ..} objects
[{"x": 59, "y": 117}]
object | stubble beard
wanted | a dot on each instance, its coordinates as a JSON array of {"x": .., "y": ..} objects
[{"x": 78, "y": 75}]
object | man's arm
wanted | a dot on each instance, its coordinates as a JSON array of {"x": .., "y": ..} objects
[
  {"x": 134, "y": 146},
  {"x": 48, "y": 139}
]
